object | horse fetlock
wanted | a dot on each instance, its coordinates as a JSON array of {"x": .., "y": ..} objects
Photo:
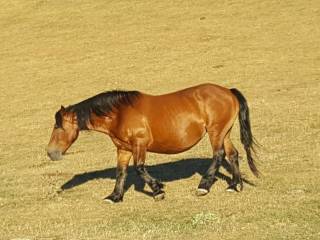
[
  {"x": 159, "y": 184},
  {"x": 158, "y": 196},
  {"x": 156, "y": 186},
  {"x": 206, "y": 182}
]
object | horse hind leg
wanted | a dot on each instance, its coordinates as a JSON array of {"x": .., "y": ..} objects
[
  {"x": 233, "y": 157},
  {"x": 218, "y": 155}
]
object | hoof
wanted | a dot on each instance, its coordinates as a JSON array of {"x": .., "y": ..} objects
[
  {"x": 113, "y": 199},
  {"x": 232, "y": 189},
  {"x": 201, "y": 192},
  {"x": 109, "y": 201},
  {"x": 159, "y": 196}
]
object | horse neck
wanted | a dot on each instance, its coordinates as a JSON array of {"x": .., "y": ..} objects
[{"x": 100, "y": 123}]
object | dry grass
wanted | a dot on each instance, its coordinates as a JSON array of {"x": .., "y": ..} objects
[{"x": 60, "y": 52}]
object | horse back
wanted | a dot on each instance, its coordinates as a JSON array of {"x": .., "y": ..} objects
[{"x": 205, "y": 103}]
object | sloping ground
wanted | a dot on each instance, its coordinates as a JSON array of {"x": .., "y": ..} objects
[{"x": 61, "y": 52}]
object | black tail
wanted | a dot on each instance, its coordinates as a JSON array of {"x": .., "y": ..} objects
[{"x": 246, "y": 136}]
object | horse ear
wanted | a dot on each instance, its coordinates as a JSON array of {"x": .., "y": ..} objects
[{"x": 62, "y": 109}]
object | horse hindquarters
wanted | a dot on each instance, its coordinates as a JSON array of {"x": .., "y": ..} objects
[{"x": 221, "y": 113}]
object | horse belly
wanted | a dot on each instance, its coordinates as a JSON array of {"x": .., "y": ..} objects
[{"x": 178, "y": 137}]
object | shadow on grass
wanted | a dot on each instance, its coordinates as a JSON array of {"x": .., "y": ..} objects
[{"x": 165, "y": 172}]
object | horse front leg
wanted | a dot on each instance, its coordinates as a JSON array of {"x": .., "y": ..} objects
[
  {"x": 139, "y": 156},
  {"x": 122, "y": 168}
]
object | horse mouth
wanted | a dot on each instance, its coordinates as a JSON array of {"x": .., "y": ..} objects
[{"x": 55, "y": 155}]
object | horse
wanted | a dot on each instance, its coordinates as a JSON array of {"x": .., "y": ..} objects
[{"x": 171, "y": 123}]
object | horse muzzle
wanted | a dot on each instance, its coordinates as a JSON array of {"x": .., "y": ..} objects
[{"x": 54, "y": 155}]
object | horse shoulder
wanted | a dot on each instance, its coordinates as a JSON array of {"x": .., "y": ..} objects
[{"x": 131, "y": 129}]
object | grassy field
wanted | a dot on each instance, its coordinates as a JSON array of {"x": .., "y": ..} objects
[{"x": 61, "y": 52}]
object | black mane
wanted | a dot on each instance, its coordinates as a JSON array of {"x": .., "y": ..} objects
[{"x": 101, "y": 105}]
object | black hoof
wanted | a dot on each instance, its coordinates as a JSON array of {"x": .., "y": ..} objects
[
  {"x": 113, "y": 198},
  {"x": 159, "y": 195}
]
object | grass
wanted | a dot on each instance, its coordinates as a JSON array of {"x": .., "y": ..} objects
[{"x": 61, "y": 52}]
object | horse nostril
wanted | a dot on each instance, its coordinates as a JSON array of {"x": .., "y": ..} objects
[{"x": 55, "y": 155}]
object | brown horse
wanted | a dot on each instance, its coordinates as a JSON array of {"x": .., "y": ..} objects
[{"x": 170, "y": 123}]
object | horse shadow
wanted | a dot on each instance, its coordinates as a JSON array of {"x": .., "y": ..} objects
[{"x": 165, "y": 172}]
